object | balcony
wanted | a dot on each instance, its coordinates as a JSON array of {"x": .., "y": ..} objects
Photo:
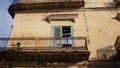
[
  {"x": 35, "y": 44},
  {"x": 47, "y": 4},
  {"x": 66, "y": 49},
  {"x": 42, "y": 1},
  {"x": 44, "y": 4}
]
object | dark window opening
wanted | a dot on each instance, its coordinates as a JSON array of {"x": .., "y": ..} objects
[{"x": 66, "y": 31}]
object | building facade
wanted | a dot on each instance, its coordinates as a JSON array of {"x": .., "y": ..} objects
[{"x": 70, "y": 31}]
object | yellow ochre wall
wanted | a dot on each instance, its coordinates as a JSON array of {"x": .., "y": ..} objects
[
  {"x": 100, "y": 27},
  {"x": 34, "y": 24}
]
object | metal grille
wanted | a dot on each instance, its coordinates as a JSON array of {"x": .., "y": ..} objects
[{"x": 38, "y": 44}]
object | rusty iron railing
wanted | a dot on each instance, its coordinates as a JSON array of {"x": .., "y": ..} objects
[
  {"x": 106, "y": 53},
  {"x": 45, "y": 43}
]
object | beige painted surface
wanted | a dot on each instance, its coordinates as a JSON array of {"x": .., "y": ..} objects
[
  {"x": 34, "y": 24},
  {"x": 103, "y": 29},
  {"x": 99, "y": 26},
  {"x": 99, "y": 3}
]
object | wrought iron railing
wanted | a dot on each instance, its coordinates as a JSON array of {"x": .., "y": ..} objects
[
  {"x": 40, "y": 44},
  {"x": 43, "y": 1},
  {"x": 106, "y": 53}
]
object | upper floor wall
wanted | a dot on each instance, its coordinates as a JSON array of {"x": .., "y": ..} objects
[{"x": 98, "y": 26}]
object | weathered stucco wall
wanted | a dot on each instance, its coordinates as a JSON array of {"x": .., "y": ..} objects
[
  {"x": 99, "y": 3},
  {"x": 34, "y": 24},
  {"x": 100, "y": 27},
  {"x": 103, "y": 29}
]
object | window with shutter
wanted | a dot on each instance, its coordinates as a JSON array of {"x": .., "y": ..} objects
[
  {"x": 57, "y": 31},
  {"x": 64, "y": 32}
]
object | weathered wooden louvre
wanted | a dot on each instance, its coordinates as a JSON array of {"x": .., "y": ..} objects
[{"x": 44, "y": 4}]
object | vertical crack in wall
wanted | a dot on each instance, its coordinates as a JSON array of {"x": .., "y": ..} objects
[
  {"x": 86, "y": 22},
  {"x": 86, "y": 26}
]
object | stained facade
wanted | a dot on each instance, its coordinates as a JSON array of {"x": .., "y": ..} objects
[{"x": 64, "y": 30}]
